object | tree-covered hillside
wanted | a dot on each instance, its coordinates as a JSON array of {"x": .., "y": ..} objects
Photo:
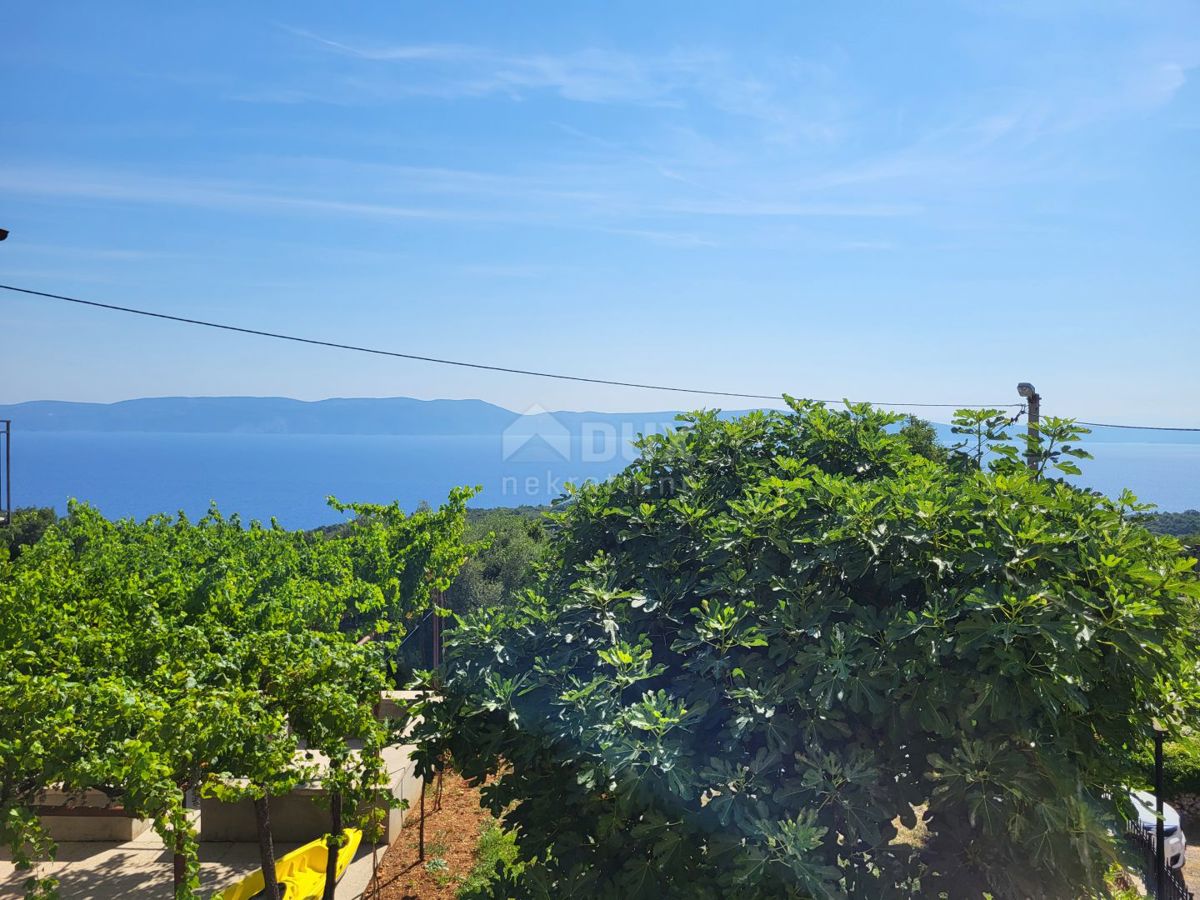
[
  {"x": 1176, "y": 523},
  {"x": 1183, "y": 525}
]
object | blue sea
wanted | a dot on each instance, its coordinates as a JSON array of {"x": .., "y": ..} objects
[{"x": 289, "y": 476}]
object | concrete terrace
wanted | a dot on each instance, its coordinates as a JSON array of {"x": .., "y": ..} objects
[
  {"x": 96, "y": 870},
  {"x": 142, "y": 866}
]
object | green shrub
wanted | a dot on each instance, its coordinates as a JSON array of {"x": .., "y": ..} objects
[
  {"x": 26, "y": 527},
  {"x": 507, "y": 547},
  {"x": 495, "y": 859},
  {"x": 1181, "y": 766},
  {"x": 770, "y": 637}
]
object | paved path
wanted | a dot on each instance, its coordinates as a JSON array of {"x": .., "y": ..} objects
[{"x": 142, "y": 868}]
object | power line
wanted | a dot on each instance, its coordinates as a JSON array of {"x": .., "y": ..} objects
[
  {"x": 376, "y": 351},
  {"x": 1135, "y": 427},
  {"x": 528, "y": 372},
  {"x": 455, "y": 362}
]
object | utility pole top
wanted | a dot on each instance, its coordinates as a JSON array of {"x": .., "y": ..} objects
[
  {"x": 6, "y": 471},
  {"x": 1033, "y": 402}
]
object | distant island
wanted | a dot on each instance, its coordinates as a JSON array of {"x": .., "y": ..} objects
[
  {"x": 282, "y": 415},
  {"x": 371, "y": 416},
  {"x": 263, "y": 415},
  {"x": 276, "y": 456}
]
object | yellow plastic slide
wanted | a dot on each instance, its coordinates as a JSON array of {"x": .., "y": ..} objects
[{"x": 301, "y": 873}]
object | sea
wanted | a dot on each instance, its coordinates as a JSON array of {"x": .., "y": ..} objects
[{"x": 288, "y": 477}]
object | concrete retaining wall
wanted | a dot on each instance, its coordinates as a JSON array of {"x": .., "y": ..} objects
[
  {"x": 299, "y": 816},
  {"x": 87, "y": 816}
]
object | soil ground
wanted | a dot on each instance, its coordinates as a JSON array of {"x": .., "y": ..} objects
[
  {"x": 1191, "y": 868},
  {"x": 451, "y": 835}
]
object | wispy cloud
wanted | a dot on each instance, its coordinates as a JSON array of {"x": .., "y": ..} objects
[
  {"x": 680, "y": 240},
  {"x": 214, "y": 194},
  {"x": 616, "y": 202},
  {"x": 1084, "y": 100},
  {"x": 689, "y": 174},
  {"x": 506, "y": 270},
  {"x": 776, "y": 209},
  {"x": 706, "y": 97},
  {"x": 103, "y": 254},
  {"x": 790, "y": 99},
  {"x": 588, "y": 75},
  {"x": 432, "y": 52}
]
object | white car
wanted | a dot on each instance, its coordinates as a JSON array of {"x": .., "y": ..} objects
[{"x": 1174, "y": 840}]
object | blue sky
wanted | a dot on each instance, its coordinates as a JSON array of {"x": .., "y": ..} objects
[{"x": 885, "y": 202}]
